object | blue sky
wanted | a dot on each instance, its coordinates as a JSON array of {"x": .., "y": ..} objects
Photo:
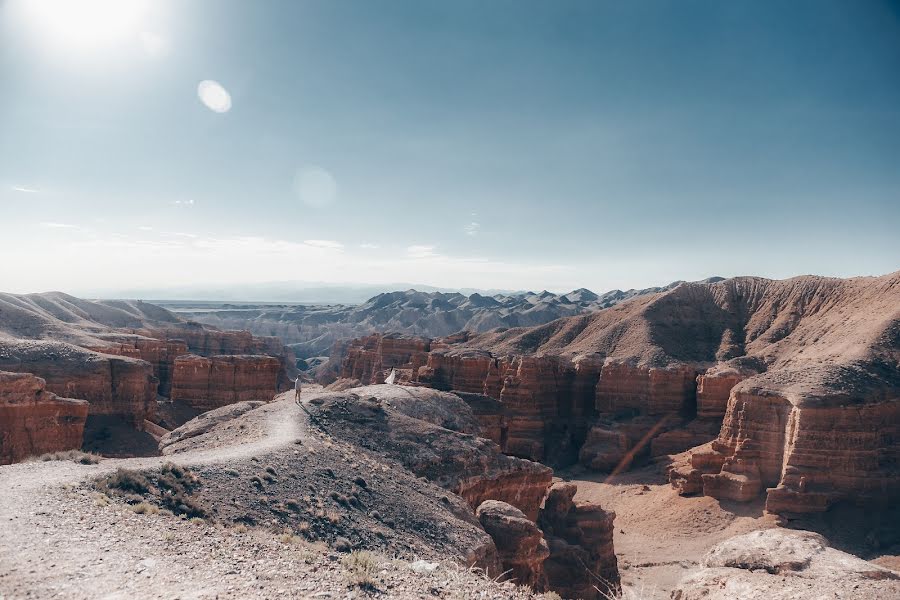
[{"x": 458, "y": 144}]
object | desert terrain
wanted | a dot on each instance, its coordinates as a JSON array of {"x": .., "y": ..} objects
[{"x": 713, "y": 440}]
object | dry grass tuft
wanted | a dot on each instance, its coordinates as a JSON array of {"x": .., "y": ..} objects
[
  {"x": 82, "y": 458},
  {"x": 144, "y": 508},
  {"x": 361, "y": 567}
]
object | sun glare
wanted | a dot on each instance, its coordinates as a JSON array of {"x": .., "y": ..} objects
[{"x": 84, "y": 23}]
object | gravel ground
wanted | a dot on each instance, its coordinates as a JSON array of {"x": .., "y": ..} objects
[{"x": 62, "y": 539}]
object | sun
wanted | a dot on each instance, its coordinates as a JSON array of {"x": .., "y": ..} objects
[{"x": 84, "y": 23}]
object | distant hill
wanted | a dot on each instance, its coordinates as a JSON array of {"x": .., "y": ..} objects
[{"x": 311, "y": 330}]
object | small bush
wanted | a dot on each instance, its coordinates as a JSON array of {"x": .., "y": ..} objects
[
  {"x": 232, "y": 472},
  {"x": 288, "y": 537},
  {"x": 292, "y": 504},
  {"x": 361, "y": 482},
  {"x": 198, "y": 521},
  {"x": 256, "y": 482},
  {"x": 333, "y": 516},
  {"x": 361, "y": 567},
  {"x": 239, "y": 528},
  {"x": 144, "y": 508},
  {"x": 126, "y": 480},
  {"x": 268, "y": 477},
  {"x": 82, "y": 458},
  {"x": 271, "y": 470}
]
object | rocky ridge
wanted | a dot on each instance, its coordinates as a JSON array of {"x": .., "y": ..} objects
[{"x": 780, "y": 373}]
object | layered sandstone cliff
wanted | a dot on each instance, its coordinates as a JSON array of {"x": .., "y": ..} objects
[
  {"x": 112, "y": 385},
  {"x": 34, "y": 421},
  {"x": 118, "y": 355},
  {"x": 208, "y": 382},
  {"x": 797, "y": 381}
]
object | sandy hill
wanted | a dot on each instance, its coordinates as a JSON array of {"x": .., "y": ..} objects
[
  {"x": 812, "y": 331},
  {"x": 312, "y": 330},
  {"x": 61, "y": 317}
]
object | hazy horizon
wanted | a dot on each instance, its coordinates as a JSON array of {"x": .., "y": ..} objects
[{"x": 501, "y": 145}]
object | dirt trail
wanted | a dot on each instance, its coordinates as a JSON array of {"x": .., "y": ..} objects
[
  {"x": 58, "y": 540},
  {"x": 61, "y": 539}
]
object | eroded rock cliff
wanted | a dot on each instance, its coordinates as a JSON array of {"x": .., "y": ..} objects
[
  {"x": 797, "y": 381},
  {"x": 34, "y": 421}
]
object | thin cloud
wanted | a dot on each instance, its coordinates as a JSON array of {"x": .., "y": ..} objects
[
  {"x": 472, "y": 228},
  {"x": 326, "y": 244},
  {"x": 184, "y": 202},
  {"x": 58, "y": 225},
  {"x": 420, "y": 251},
  {"x": 24, "y": 189},
  {"x": 369, "y": 246},
  {"x": 145, "y": 228}
]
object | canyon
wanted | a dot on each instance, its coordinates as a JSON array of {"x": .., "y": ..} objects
[
  {"x": 788, "y": 389},
  {"x": 130, "y": 361}
]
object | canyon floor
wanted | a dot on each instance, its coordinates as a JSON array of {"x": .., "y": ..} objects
[{"x": 659, "y": 534}]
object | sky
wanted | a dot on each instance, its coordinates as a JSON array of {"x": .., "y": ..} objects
[{"x": 501, "y": 144}]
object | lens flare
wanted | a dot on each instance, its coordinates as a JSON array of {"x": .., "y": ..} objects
[{"x": 214, "y": 96}]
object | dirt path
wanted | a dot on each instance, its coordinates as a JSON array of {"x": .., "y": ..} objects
[{"x": 59, "y": 539}]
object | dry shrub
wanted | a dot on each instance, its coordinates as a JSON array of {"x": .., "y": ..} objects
[{"x": 361, "y": 567}]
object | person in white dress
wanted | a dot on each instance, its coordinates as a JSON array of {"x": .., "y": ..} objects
[
  {"x": 297, "y": 389},
  {"x": 390, "y": 378}
]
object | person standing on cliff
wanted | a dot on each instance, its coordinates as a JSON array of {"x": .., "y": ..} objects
[{"x": 297, "y": 389}]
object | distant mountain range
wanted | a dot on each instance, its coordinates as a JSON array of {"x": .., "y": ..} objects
[
  {"x": 293, "y": 292},
  {"x": 312, "y": 329}
]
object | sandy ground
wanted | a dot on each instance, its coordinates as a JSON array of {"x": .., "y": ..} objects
[{"x": 660, "y": 535}]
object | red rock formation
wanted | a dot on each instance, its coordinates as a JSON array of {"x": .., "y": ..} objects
[
  {"x": 206, "y": 341},
  {"x": 160, "y": 353},
  {"x": 370, "y": 359},
  {"x": 112, "y": 385},
  {"x": 811, "y": 354},
  {"x": 807, "y": 452},
  {"x": 625, "y": 388},
  {"x": 211, "y": 382},
  {"x": 34, "y": 421},
  {"x": 582, "y": 561},
  {"x": 520, "y": 544},
  {"x": 713, "y": 389}
]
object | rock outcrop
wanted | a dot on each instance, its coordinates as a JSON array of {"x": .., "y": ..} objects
[
  {"x": 520, "y": 544},
  {"x": 34, "y": 421},
  {"x": 210, "y": 382},
  {"x": 778, "y": 563},
  {"x": 435, "y": 435},
  {"x": 180, "y": 438},
  {"x": 112, "y": 385},
  {"x": 582, "y": 561}
]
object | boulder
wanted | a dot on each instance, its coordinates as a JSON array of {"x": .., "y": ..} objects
[
  {"x": 520, "y": 544},
  {"x": 779, "y": 564}
]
